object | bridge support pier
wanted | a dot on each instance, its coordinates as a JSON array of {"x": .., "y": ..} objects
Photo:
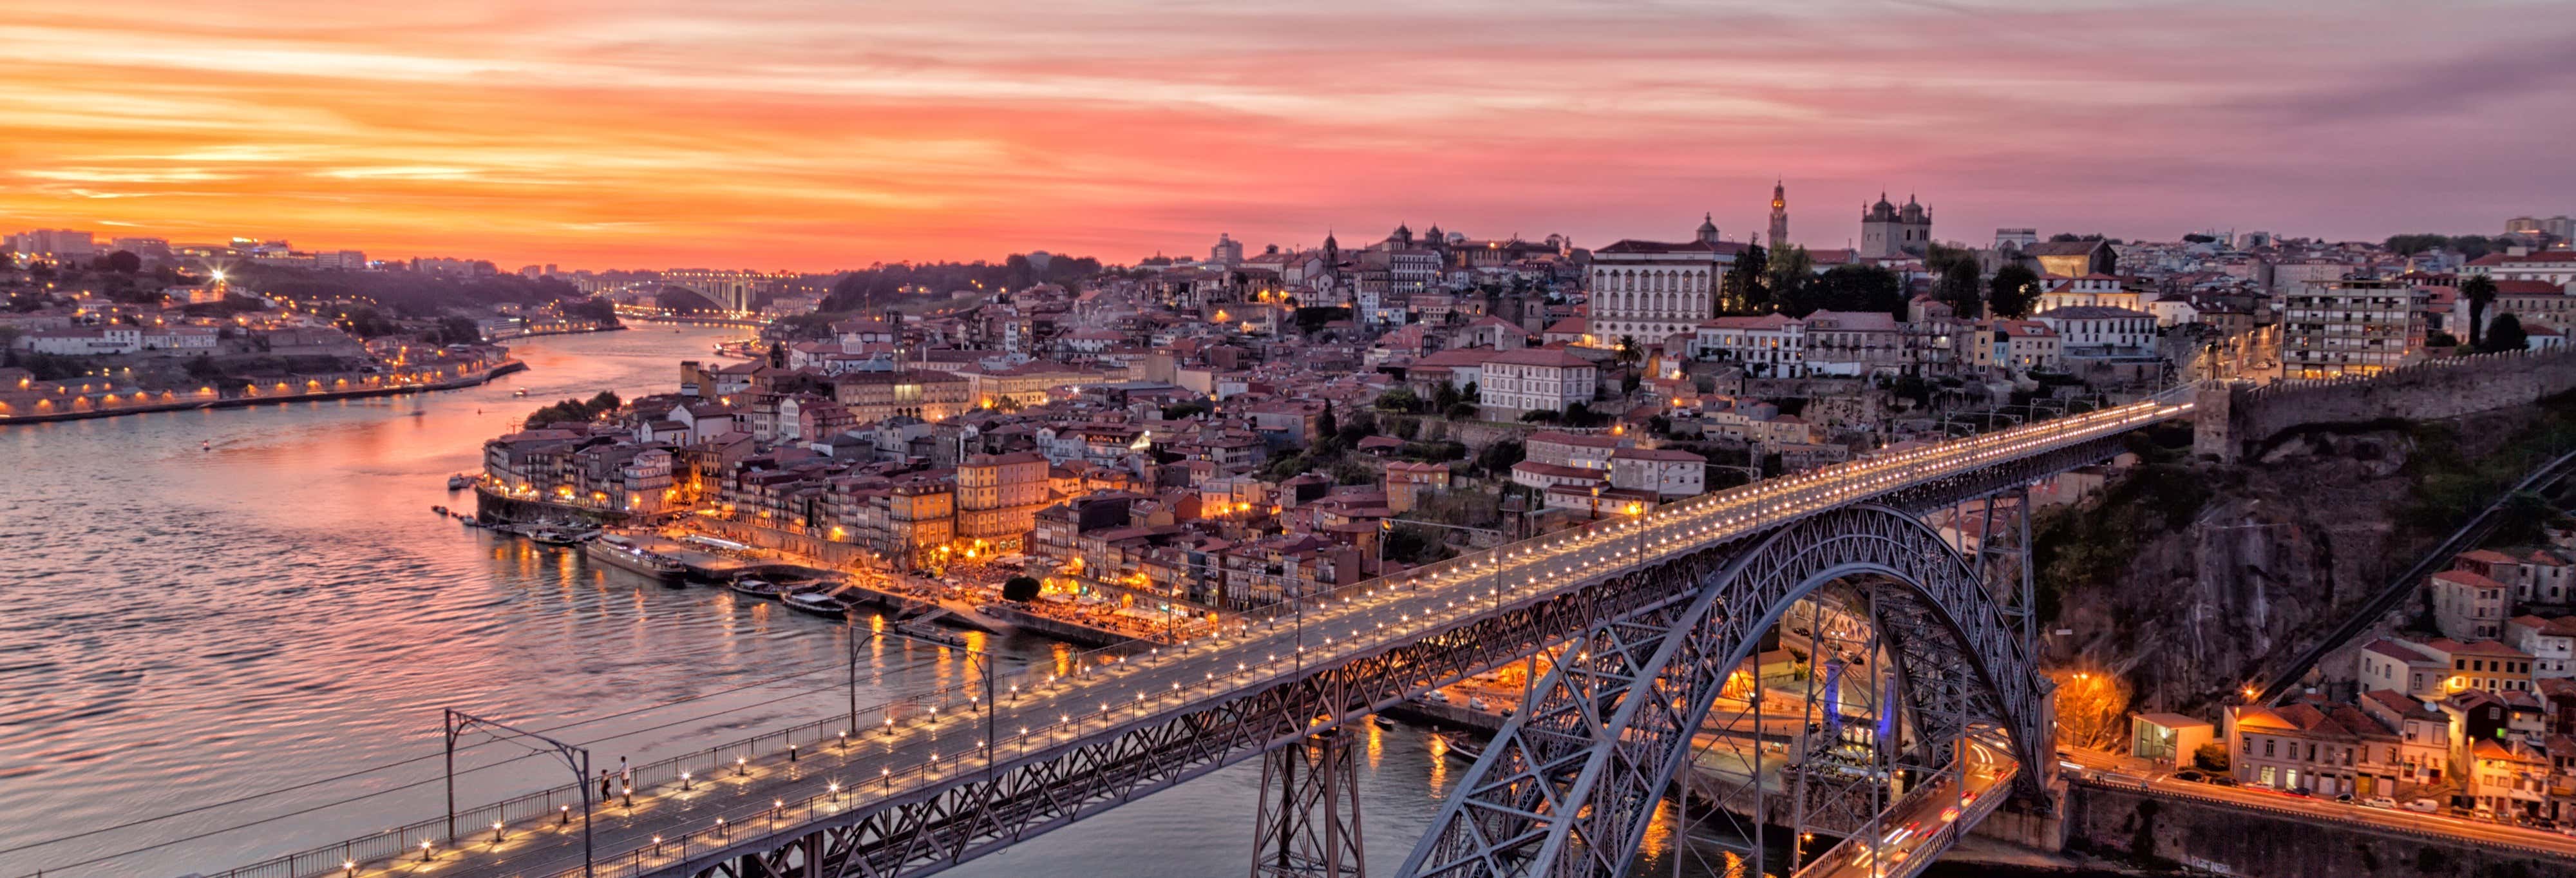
[{"x": 1309, "y": 823}]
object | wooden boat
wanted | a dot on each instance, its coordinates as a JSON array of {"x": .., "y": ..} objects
[
  {"x": 459, "y": 482},
  {"x": 922, "y": 630},
  {"x": 1461, "y": 748},
  {"x": 826, "y": 603},
  {"x": 560, "y": 536},
  {"x": 756, "y": 588}
]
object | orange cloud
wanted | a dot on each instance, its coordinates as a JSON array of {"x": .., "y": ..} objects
[{"x": 780, "y": 135}]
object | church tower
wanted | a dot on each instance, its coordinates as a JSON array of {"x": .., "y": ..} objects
[{"x": 1779, "y": 214}]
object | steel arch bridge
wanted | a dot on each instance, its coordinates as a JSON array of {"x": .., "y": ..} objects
[
  {"x": 1633, "y": 612},
  {"x": 1570, "y": 784},
  {"x": 1652, "y": 609}
]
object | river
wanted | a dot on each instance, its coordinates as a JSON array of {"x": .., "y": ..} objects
[{"x": 251, "y": 620}]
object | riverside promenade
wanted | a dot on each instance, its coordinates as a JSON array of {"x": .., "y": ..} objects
[{"x": 312, "y": 392}]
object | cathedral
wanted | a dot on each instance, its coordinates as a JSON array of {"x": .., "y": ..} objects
[{"x": 1887, "y": 232}]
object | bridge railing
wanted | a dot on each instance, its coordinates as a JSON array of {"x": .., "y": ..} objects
[{"x": 966, "y": 698}]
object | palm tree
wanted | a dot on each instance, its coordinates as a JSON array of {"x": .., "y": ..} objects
[
  {"x": 2480, "y": 290},
  {"x": 1628, "y": 354}
]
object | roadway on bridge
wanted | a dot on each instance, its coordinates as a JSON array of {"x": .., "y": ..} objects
[
  {"x": 939, "y": 750},
  {"x": 1924, "y": 823}
]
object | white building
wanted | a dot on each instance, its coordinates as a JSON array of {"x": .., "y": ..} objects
[
  {"x": 1652, "y": 290},
  {"x": 2099, "y": 327},
  {"x": 1770, "y": 345},
  {"x": 1665, "y": 471},
  {"x": 1536, "y": 379}
]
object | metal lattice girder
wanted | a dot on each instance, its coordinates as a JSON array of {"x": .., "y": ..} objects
[
  {"x": 1309, "y": 820},
  {"x": 1569, "y": 787}
]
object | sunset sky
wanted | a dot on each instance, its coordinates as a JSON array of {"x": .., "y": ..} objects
[{"x": 816, "y": 134}]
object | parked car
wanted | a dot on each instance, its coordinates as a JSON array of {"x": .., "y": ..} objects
[
  {"x": 2222, "y": 780},
  {"x": 2301, "y": 792},
  {"x": 2345, "y": 798},
  {"x": 2423, "y": 806},
  {"x": 2191, "y": 775},
  {"x": 2379, "y": 802},
  {"x": 1436, "y": 696},
  {"x": 1477, "y": 704}
]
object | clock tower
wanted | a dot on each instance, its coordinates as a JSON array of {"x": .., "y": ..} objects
[{"x": 1779, "y": 215}]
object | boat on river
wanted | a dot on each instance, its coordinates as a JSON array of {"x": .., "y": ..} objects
[
  {"x": 560, "y": 535},
  {"x": 755, "y": 587},
  {"x": 922, "y": 629},
  {"x": 459, "y": 482},
  {"x": 827, "y": 603},
  {"x": 1462, "y": 748},
  {"x": 616, "y": 551}
]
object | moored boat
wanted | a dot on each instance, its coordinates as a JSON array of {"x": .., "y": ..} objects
[
  {"x": 921, "y": 630},
  {"x": 827, "y": 604},
  {"x": 459, "y": 482},
  {"x": 553, "y": 535},
  {"x": 615, "y": 551},
  {"x": 749, "y": 586}
]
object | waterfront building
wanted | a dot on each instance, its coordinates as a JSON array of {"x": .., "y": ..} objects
[{"x": 998, "y": 497}]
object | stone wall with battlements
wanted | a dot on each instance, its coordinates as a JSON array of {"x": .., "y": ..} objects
[{"x": 2232, "y": 421}]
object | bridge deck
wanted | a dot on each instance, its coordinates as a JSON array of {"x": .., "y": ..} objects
[{"x": 914, "y": 753}]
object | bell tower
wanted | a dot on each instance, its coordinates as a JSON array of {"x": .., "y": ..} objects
[{"x": 1779, "y": 214}]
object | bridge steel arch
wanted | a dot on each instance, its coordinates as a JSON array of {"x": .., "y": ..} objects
[
  {"x": 1570, "y": 785},
  {"x": 926, "y": 830}
]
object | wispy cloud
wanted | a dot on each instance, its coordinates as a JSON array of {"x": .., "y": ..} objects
[{"x": 780, "y": 133}]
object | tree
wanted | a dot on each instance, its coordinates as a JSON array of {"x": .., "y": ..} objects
[
  {"x": 1851, "y": 288},
  {"x": 2010, "y": 292},
  {"x": 1326, "y": 426},
  {"x": 1499, "y": 457},
  {"x": 777, "y": 355},
  {"x": 1958, "y": 288},
  {"x": 2480, "y": 290},
  {"x": 1445, "y": 397},
  {"x": 1628, "y": 353},
  {"x": 2211, "y": 756},
  {"x": 1791, "y": 271},
  {"x": 1180, "y": 411},
  {"x": 124, "y": 262},
  {"x": 1020, "y": 589},
  {"x": 1747, "y": 286},
  {"x": 2506, "y": 334},
  {"x": 2198, "y": 238},
  {"x": 454, "y": 329},
  {"x": 1401, "y": 399}
]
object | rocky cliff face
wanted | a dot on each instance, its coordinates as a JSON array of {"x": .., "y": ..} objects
[{"x": 2191, "y": 579}]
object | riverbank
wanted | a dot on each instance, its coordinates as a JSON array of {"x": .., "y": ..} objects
[
  {"x": 235, "y": 402},
  {"x": 560, "y": 332}
]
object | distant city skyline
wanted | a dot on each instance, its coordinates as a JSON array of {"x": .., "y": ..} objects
[{"x": 778, "y": 136}]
